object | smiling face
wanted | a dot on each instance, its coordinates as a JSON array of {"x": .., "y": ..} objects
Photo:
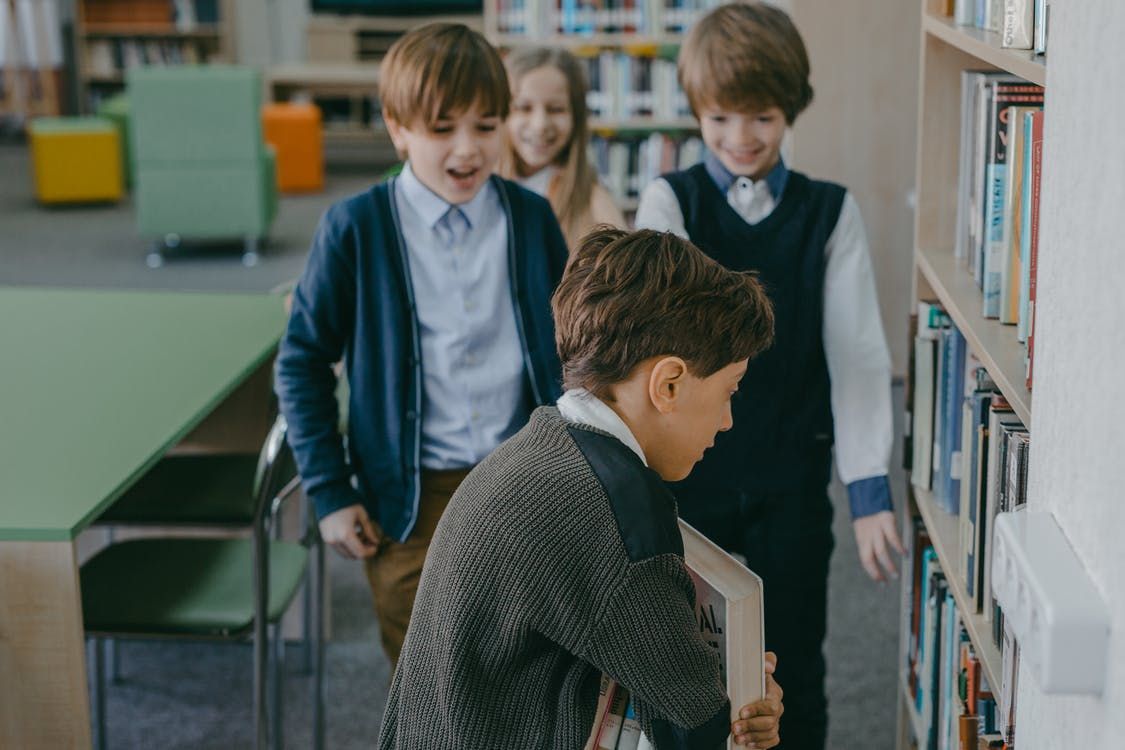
[
  {"x": 454, "y": 155},
  {"x": 747, "y": 143},
  {"x": 701, "y": 410},
  {"x": 541, "y": 121}
]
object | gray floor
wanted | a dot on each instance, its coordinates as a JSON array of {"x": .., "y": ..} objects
[{"x": 197, "y": 695}]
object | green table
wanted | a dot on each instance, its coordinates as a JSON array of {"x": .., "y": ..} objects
[{"x": 95, "y": 386}]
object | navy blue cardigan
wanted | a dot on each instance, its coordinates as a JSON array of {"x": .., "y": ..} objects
[{"x": 355, "y": 301}]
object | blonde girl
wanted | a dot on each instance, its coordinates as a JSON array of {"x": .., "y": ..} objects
[{"x": 547, "y": 136}]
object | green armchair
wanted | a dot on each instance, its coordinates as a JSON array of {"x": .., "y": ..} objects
[{"x": 202, "y": 169}]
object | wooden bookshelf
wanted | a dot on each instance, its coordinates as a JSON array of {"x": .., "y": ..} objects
[
  {"x": 985, "y": 46},
  {"x": 643, "y": 124},
  {"x": 994, "y": 343},
  {"x": 946, "y": 50},
  {"x": 106, "y": 45},
  {"x": 580, "y": 42},
  {"x": 945, "y": 536}
]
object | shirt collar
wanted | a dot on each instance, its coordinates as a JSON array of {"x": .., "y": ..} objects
[
  {"x": 581, "y": 406},
  {"x": 724, "y": 178},
  {"x": 432, "y": 207}
]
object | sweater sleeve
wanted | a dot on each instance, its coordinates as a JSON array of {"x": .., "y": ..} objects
[
  {"x": 320, "y": 325},
  {"x": 648, "y": 640}
]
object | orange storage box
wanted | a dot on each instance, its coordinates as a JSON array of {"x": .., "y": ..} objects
[{"x": 294, "y": 131}]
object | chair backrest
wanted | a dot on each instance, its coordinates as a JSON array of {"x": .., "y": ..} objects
[
  {"x": 195, "y": 113},
  {"x": 276, "y": 467}
]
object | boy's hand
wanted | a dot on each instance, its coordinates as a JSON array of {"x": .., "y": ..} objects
[
  {"x": 351, "y": 532},
  {"x": 757, "y": 724},
  {"x": 873, "y": 535}
]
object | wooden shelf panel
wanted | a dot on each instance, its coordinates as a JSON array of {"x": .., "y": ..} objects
[
  {"x": 573, "y": 41},
  {"x": 985, "y": 45},
  {"x": 945, "y": 536},
  {"x": 644, "y": 123},
  {"x": 159, "y": 32},
  {"x": 994, "y": 344},
  {"x": 911, "y": 710}
]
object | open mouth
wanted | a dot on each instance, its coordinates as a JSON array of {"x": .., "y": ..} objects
[{"x": 463, "y": 175}]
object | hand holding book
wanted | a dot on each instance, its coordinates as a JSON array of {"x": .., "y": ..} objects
[{"x": 757, "y": 722}]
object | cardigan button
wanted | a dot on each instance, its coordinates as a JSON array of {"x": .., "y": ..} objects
[{"x": 411, "y": 415}]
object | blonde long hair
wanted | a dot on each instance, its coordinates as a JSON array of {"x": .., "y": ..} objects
[{"x": 572, "y": 189}]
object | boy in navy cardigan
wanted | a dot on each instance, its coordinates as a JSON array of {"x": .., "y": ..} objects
[
  {"x": 434, "y": 289},
  {"x": 761, "y": 491}
]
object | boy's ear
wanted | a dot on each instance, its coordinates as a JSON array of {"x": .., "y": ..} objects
[
  {"x": 666, "y": 382},
  {"x": 394, "y": 130}
]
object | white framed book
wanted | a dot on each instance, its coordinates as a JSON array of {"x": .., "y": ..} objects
[{"x": 730, "y": 609}]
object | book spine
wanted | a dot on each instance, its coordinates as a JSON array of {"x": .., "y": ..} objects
[{"x": 1019, "y": 24}]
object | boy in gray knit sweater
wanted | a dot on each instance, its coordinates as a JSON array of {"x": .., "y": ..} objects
[{"x": 559, "y": 558}]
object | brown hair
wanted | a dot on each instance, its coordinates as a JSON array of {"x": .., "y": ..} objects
[
  {"x": 442, "y": 69},
  {"x": 573, "y": 188},
  {"x": 629, "y": 296},
  {"x": 746, "y": 57}
]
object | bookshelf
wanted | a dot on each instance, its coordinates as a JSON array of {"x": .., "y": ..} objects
[
  {"x": 31, "y": 62},
  {"x": 114, "y": 35},
  {"x": 946, "y": 50}
]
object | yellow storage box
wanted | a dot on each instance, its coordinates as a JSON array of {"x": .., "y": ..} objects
[{"x": 75, "y": 159}]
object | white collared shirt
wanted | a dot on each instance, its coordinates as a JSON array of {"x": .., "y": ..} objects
[
  {"x": 473, "y": 377},
  {"x": 580, "y": 406}
]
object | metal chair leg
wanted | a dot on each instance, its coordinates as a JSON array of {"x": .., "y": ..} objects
[
  {"x": 319, "y": 598},
  {"x": 307, "y": 605},
  {"x": 99, "y": 692},
  {"x": 250, "y": 251},
  {"x": 277, "y": 659},
  {"x": 261, "y": 645}
]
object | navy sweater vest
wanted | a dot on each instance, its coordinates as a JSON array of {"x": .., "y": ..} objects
[{"x": 782, "y": 435}]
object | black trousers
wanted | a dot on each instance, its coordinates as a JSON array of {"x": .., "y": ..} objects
[{"x": 787, "y": 540}]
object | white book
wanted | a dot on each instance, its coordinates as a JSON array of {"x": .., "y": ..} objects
[
  {"x": 731, "y": 613},
  {"x": 1018, "y": 30},
  {"x": 1042, "y": 15}
]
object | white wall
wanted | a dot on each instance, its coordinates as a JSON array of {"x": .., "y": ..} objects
[{"x": 1078, "y": 403}]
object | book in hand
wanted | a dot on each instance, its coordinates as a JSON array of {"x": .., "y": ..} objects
[
  {"x": 729, "y": 606},
  {"x": 731, "y": 615}
]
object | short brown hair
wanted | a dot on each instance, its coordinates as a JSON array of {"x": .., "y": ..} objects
[
  {"x": 442, "y": 69},
  {"x": 746, "y": 57},
  {"x": 630, "y": 296}
]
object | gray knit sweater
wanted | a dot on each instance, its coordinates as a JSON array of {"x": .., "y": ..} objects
[{"x": 557, "y": 559}]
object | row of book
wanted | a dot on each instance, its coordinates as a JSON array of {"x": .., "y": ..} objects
[
  {"x": 624, "y": 86},
  {"x": 999, "y": 180},
  {"x": 967, "y": 447},
  {"x": 31, "y": 58},
  {"x": 628, "y": 164},
  {"x": 1022, "y": 24},
  {"x": 109, "y": 58},
  {"x": 955, "y": 706},
  {"x": 539, "y": 18},
  {"x": 182, "y": 15}
]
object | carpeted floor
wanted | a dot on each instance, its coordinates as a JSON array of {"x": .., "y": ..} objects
[{"x": 198, "y": 695}]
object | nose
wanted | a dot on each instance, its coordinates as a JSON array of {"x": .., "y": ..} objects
[
  {"x": 466, "y": 142},
  {"x": 728, "y": 419},
  {"x": 539, "y": 119}
]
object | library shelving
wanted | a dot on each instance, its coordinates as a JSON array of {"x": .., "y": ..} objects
[
  {"x": 939, "y": 275},
  {"x": 115, "y": 35}
]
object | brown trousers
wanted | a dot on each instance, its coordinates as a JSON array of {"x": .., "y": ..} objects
[{"x": 395, "y": 571}]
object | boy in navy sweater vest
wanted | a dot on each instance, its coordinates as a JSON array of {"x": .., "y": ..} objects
[
  {"x": 434, "y": 289},
  {"x": 761, "y": 491}
]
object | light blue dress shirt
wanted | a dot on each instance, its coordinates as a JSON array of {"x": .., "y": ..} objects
[{"x": 473, "y": 380}]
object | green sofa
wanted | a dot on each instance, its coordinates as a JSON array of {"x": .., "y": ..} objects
[{"x": 201, "y": 167}]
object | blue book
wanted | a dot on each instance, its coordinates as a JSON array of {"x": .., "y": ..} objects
[
  {"x": 929, "y": 565},
  {"x": 947, "y": 484}
]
